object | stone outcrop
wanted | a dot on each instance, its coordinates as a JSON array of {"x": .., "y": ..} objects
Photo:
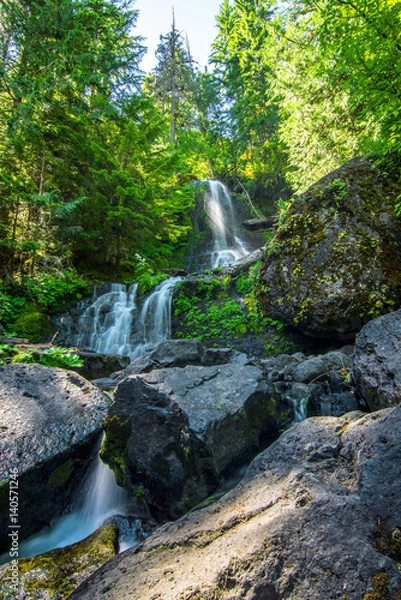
[
  {"x": 333, "y": 263},
  {"x": 316, "y": 516},
  {"x": 50, "y": 420},
  {"x": 173, "y": 433},
  {"x": 55, "y": 574},
  {"x": 377, "y": 362}
]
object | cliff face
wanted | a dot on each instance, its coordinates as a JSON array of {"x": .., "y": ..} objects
[{"x": 332, "y": 265}]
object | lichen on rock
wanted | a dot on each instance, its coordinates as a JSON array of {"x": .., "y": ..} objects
[{"x": 332, "y": 265}]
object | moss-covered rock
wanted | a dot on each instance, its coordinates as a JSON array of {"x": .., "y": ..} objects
[
  {"x": 333, "y": 263},
  {"x": 55, "y": 574},
  {"x": 33, "y": 325}
]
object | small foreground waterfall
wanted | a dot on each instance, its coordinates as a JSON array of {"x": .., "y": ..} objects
[
  {"x": 101, "y": 499},
  {"x": 227, "y": 246}
]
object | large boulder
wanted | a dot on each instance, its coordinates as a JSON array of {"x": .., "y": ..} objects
[
  {"x": 376, "y": 368},
  {"x": 333, "y": 263},
  {"x": 50, "y": 420},
  {"x": 317, "y": 516},
  {"x": 173, "y": 433}
]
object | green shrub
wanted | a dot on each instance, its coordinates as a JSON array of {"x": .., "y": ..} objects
[
  {"x": 55, "y": 291},
  {"x": 6, "y": 351},
  {"x": 11, "y": 306},
  {"x": 60, "y": 357},
  {"x": 50, "y": 357}
]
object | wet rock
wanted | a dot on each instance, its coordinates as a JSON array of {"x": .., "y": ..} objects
[
  {"x": 333, "y": 262},
  {"x": 50, "y": 420},
  {"x": 312, "y": 385},
  {"x": 316, "y": 516},
  {"x": 377, "y": 362},
  {"x": 55, "y": 574},
  {"x": 173, "y": 433}
]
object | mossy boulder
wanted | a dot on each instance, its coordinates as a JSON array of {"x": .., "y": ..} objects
[
  {"x": 333, "y": 263},
  {"x": 55, "y": 574},
  {"x": 34, "y": 325}
]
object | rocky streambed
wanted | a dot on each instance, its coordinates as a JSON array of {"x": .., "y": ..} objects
[{"x": 317, "y": 514}]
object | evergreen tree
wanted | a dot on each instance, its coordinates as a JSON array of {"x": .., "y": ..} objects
[{"x": 173, "y": 80}]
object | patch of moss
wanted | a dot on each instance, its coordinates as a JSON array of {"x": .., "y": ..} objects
[
  {"x": 61, "y": 475},
  {"x": 4, "y": 492},
  {"x": 381, "y": 589},
  {"x": 387, "y": 542},
  {"x": 57, "y": 573},
  {"x": 112, "y": 452},
  {"x": 32, "y": 325}
]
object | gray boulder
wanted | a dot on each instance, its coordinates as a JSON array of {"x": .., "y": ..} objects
[
  {"x": 173, "y": 433},
  {"x": 333, "y": 262},
  {"x": 377, "y": 362},
  {"x": 50, "y": 420},
  {"x": 170, "y": 353},
  {"x": 316, "y": 516}
]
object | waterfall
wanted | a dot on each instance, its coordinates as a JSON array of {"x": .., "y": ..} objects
[
  {"x": 106, "y": 325},
  {"x": 227, "y": 245},
  {"x": 113, "y": 324},
  {"x": 154, "y": 321},
  {"x": 102, "y": 498}
]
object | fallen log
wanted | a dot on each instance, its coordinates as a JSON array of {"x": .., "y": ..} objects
[{"x": 261, "y": 224}]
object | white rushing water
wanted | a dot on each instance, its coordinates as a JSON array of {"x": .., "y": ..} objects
[
  {"x": 106, "y": 325},
  {"x": 113, "y": 324},
  {"x": 227, "y": 245},
  {"x": 154, "y": 323},
  {"x": 101, "y": 498}
]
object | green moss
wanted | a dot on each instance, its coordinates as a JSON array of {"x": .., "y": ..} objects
[
  {"x": 387, "y": 542},
  {"x": 61, "y": 475},
  {"x": 381, "y": 589},
  {"x": 4, "y": 492},
  {"x": 112, "y": 451},
  {"x": 57, "y": 573},
  {"x": 32, "y": 325}
]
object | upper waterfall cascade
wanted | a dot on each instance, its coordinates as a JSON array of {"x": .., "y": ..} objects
[{"x": 227, "y": 245}]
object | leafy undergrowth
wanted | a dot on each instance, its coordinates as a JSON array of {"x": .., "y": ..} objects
[
  {"x": 50, "y": 357},
  {"x": 223, "y": 312}
]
